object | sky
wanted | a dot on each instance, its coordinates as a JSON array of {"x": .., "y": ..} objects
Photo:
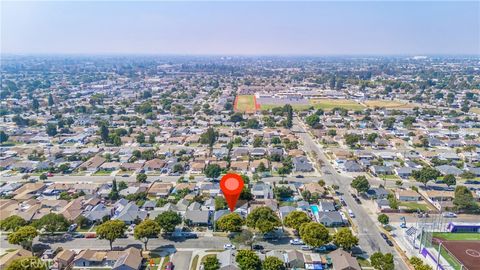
[{"x": 241, "y": 28}]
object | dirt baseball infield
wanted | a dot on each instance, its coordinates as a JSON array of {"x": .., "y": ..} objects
[{"x": 467, "y": 252}]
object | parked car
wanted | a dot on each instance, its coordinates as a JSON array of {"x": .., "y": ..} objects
[
  {"x": 296, "y": 241},
  {"x": 325, "y": 248},
  {"x": 449, "y": 215},
  {"x": 228, "y": 246},
  {"x": 350, "y": 213},
  {"x": 257, "y": 247},
  {"x": 306, "y": 247},
  {"x": 190, "y": 235},
  {"x": 389, "y": 242},
  {"x": 299, "y": 176},
  {"x": 72, "y": 227},
  {"x": 384, "y": 236},
  {"x": 169, "y": 266}
]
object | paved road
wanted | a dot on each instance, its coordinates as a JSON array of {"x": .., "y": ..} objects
[
  {"x": 159, "y": 244},
  {"x": 369, "y": 234},
  {"x": 181, "y": 259}
]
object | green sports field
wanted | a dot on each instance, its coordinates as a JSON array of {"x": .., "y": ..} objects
[
  {"x": 458, "y": 236},
  {"x": 324, "y": 104},
  {"x": 245, "y": 103}
]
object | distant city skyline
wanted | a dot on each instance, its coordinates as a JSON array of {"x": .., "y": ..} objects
[{"x": 241, "y": 28}]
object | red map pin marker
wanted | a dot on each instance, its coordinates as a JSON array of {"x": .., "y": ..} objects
[{"x": 231, "y": 185}]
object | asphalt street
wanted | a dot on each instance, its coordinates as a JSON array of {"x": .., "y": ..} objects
[{"x": 369, "y": 236}]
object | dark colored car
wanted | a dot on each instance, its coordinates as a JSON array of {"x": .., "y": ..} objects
[
  {"x": 299, "y": 176},
  {"x": 169, "y": 266},
  {"x": 389, "y": 242},
  {"x": 384, "y": 236},
  {"x": 257, "y": 247},
  {"x": 191, "y": 235}
]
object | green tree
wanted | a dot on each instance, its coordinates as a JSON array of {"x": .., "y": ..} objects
[
  {"x": 248, "y": 260},
  {"x": 312, "y": 120},
  {"x": 230, "y": 223},
  {"x": 52, "y": 223},
  {"x": 212, "y": 171},
  {"x": 295, "y": 219},
  {"x": 111, "y": 230},
  {"x": 27, "y": 263},
  {"x": 263, "y": 219},
  {"x": 12, "y": 223},
  {"x": 314, "y": 234},
  {"x": 168, "y": 220},
  {"x": 345, "y": 239},
  {"x": 382, "y": 261},
  {"x": 351, "y": 139},
  {"x": 104, "y": 132},
  {"x": 211, "y": 263},
  {"x": 209, "y": 137},
  {"x": 463, "y": 199},
  {"x": 220, "y": 203},
  {"x": 289, "y": 111},
  {"x": 252, "y": 123},
  {"x": 145, "y": 230},
  {"x": 50, "y": 100},
  {"x": 425, "y": 175},
  {"x": 450, "y": 180},
  {"x": 3, "y": 137},
  {"x": 141, "y": 178},
  {"x": 114, "y": 192},
  {"x": 141, "y": 138},
  {"x": 283, "y": 192},
  {"x": 23, "y": 236},
  {"x": 35, "y": 104},
  {"x": 384, "y": 219},
  {"x": 361, "y": 184},
  {"x": 245, "y": 237},
  {"x": 389, "y": 122},
  {"x": 43, "y": 176},
  {"x": 51, "y": 130},
  {"x": 273, "y": 263}
]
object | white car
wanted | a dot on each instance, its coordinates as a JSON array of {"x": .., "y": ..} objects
[
  {"x": 449, "y": 215},
  {"x": 228, "y": 246},
  {"x": 296, "y": 241},
  {"x": 306, "y": 247}
]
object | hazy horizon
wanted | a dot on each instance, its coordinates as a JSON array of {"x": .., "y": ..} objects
[{"x": 241, "y": 28}]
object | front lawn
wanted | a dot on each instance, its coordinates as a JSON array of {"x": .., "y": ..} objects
[
  {"x": 415, "y": 206},
  {"x": 101, "y": 172}
]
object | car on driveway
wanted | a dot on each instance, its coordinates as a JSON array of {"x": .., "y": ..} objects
[
  {"x": 228, "y": 246},
  {"x": 169, "y": 266},
  {"x": 296, "y": 241}
]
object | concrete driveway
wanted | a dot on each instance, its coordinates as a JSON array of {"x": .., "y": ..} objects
[{"x": 181, "y": 259}]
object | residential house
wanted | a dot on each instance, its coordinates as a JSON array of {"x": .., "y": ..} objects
[
  {"x": 130, "y": 213},
  {"x": 330, "y": 219},
  {"x": 197, "y": 217},
  {"x": 301, "y": 164},
  {"x": 261, "y": 190},
  {"x": 342, "y": 260},
  {"x": 295, "y": 259},
  {"x": 227, "y": 260},
  {"x": 407, "y": 195}
]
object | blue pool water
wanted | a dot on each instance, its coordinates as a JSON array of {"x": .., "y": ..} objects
[{"x": 314, "y": 209}]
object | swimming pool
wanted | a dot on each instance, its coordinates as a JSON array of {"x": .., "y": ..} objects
[{"x": 314, "y": 209}]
